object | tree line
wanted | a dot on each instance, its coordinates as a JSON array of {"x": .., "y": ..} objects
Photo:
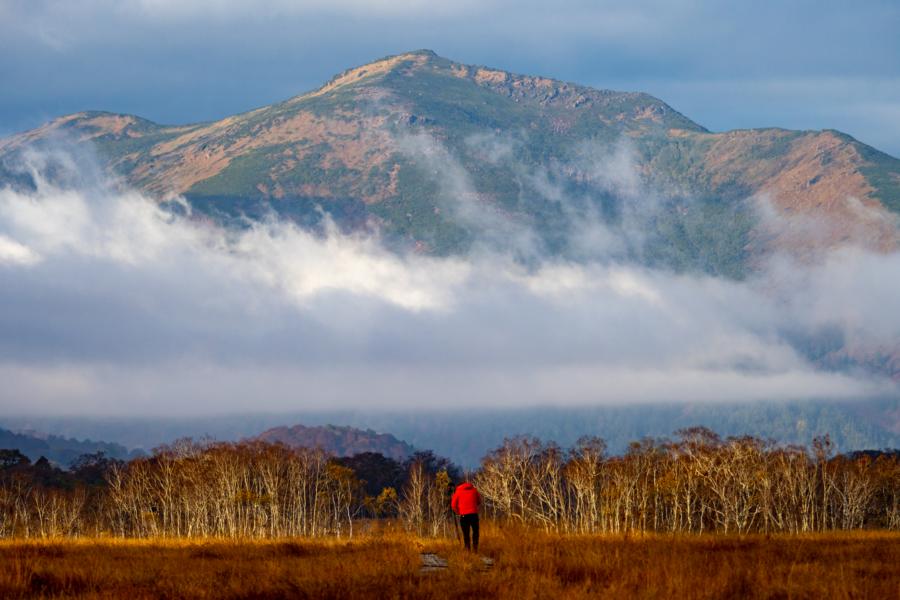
[{"x": 694, "y": 483}]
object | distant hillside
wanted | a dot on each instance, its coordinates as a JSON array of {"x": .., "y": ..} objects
[
  {"x": 339, "y": 441},
  {"x": 466, "y": 436},
  {"x": 59, "y": 450}
]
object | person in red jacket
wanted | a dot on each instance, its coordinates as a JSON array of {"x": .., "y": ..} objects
[{"x": 465, "y": 502}]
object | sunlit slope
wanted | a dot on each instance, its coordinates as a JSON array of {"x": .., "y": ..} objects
[{"x": 418, "y": 146}]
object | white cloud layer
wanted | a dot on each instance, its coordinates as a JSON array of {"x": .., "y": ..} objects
[{"x": 114, "y": 305}]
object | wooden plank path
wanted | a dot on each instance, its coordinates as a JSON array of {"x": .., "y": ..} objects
[{"x": 431, "y": 563}]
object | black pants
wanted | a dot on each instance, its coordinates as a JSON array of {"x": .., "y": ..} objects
[{"x": 468, "y": 522}]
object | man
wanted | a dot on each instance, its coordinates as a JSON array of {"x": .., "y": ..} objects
[{"x": 465, "y": 502}]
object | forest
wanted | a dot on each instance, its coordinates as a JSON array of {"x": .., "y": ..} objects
[{"x": 695, "y": 483}]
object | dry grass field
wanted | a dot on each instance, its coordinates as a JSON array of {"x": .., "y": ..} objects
[{"x": 528, "y": 564}]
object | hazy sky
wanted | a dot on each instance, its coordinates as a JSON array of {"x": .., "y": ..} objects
[{"x": 796, "y": 64}]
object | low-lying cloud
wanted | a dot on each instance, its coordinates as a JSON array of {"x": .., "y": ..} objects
[{"x": 113, "y": 304}]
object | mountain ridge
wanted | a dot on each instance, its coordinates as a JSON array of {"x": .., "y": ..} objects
[
  {"x": 339, "y": 441},
  {"x": 521, "y": 141},
  {"x": 59, "y": 449}
]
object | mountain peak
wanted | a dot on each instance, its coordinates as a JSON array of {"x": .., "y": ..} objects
[
  {"x": 439, "y": 76},
  {"x": 344, "y": 147},
  {"x": 424, "y": 52},
  {"x": 369, "y": 70}
]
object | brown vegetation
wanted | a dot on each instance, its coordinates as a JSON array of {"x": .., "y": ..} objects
[
  {"x": 814, "y": 183},
  {"x": 698, "y": 483},
  {"x": 355, "y": 74},
  {"x": 527, "y": 564},
  {"x": 697, "y": 517}
]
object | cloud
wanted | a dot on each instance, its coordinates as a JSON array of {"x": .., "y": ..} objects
[
  {"x": 104, "y": 225},
  {"x": 120, "y": 306},
  {"x": 179, "y": 389},
  {"x": 458, "y": 198},
  {"x": 12, "y": 252},
  {"x": 280, "y": 8}
]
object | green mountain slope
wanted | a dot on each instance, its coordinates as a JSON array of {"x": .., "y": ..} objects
[{"x": 436, "y": 154}]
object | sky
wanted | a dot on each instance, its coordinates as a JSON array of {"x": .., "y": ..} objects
[
  {"x": 112, "y": 305},
  {"x": 795, "y": 64}
]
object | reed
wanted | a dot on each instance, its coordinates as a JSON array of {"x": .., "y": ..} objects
[{"x": 529, "y": 563}]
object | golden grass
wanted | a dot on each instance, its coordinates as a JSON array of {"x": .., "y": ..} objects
[{"x": 528, "y": 564}]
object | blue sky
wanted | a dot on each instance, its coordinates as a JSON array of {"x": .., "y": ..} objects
[{"x": 795, "y": 64}]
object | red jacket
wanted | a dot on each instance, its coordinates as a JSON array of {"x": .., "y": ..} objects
[{"x": 466, "y": 499}]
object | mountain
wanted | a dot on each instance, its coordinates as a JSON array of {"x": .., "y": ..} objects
[
  {"x": 438, "y": 156},
  {"x": 465, "y": 436},
  {"x": 435, "y": 153},
  {"x": 339, "y": 441},
  {"x": 60, "y": 450}
]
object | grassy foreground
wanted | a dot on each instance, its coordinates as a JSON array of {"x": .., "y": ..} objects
[{"x": 528, "y": 565}]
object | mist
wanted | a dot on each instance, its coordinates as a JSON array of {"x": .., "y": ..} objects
[{"x": 116, "y": 305}]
